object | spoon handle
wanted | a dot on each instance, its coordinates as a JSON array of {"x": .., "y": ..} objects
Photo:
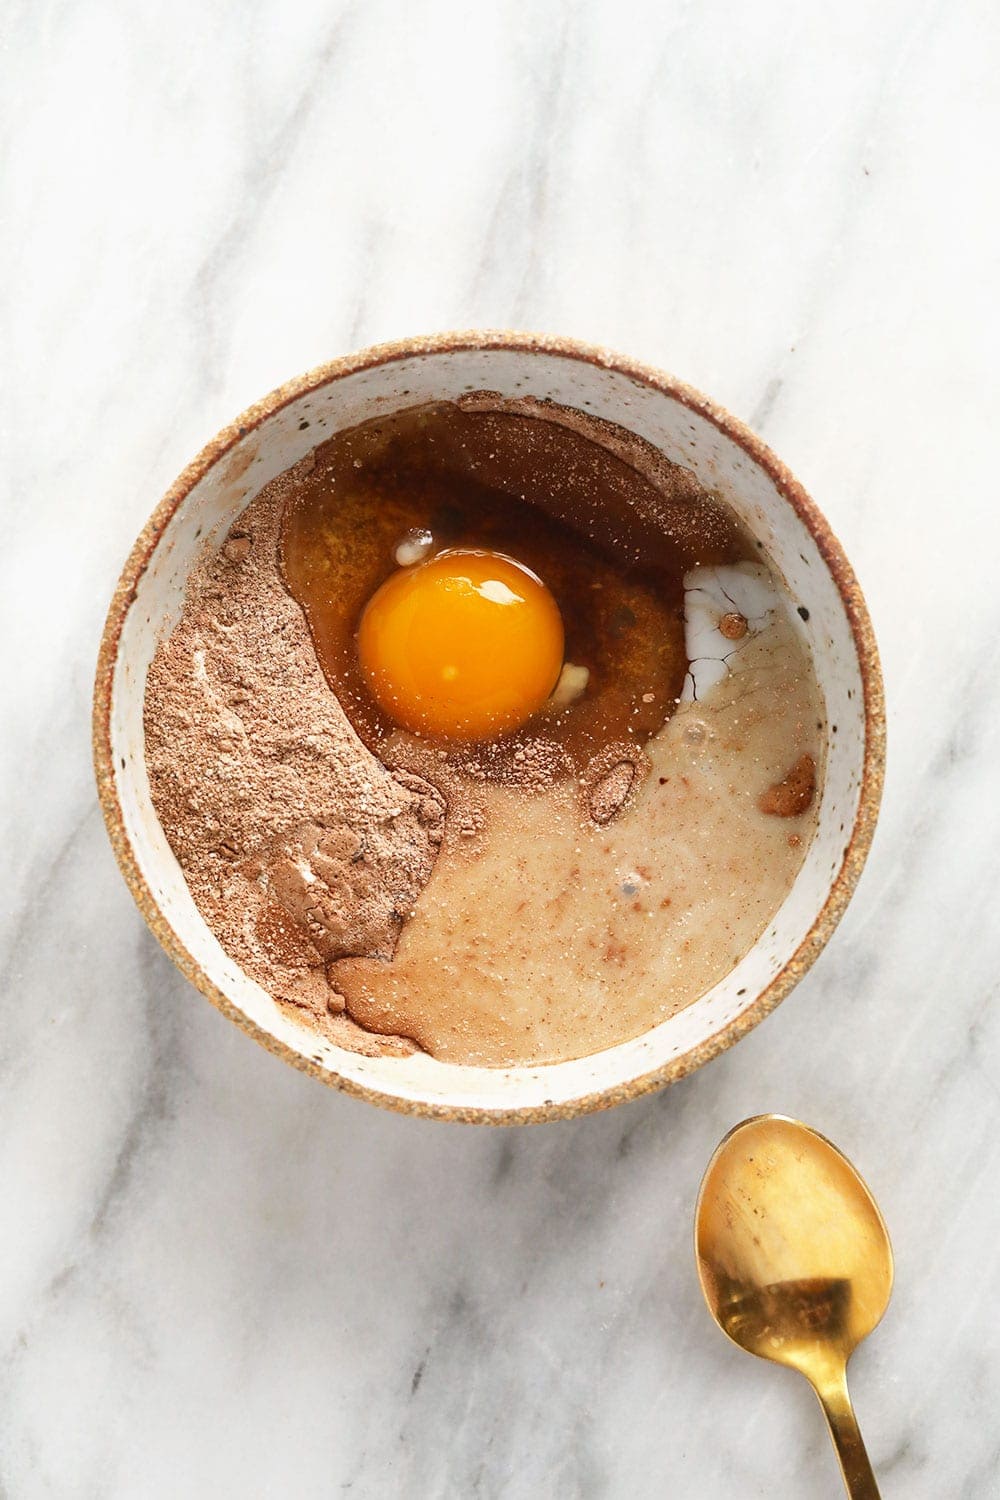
[{"x": 835, "y": 1400}]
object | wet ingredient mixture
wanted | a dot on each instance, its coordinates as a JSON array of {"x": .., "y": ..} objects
[{"x": 486, "y": 732}]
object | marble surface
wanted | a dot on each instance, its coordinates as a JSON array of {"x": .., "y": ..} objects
[{"x": 218, "y": 1278}]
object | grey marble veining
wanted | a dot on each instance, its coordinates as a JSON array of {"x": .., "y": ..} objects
[{"x": 218, "y": 1278}]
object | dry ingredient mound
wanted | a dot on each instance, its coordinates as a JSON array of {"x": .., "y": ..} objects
[{"x": 298, "y": 845}]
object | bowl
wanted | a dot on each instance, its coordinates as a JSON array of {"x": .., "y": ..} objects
[{"x": 726, "y": 457}]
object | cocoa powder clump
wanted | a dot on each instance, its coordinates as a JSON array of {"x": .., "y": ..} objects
[
  {"x": 793, "y": 795},
  {"x": 610, "y": 780}
]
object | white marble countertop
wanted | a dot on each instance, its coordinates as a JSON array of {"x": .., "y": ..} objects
[{"x": 218, "y": 1278}]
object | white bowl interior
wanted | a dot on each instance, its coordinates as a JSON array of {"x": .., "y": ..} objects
[{"x": 683, "y": 435}]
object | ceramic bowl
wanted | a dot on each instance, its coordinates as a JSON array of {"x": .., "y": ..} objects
[{"x": 688, "y": 428}]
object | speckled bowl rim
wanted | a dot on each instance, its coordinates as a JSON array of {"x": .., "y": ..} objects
[{"x": 873, "y": 768}]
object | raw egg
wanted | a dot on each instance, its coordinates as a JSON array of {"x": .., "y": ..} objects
[{"x": 466, "y": 645}]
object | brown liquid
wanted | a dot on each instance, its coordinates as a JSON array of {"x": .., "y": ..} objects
[{"x": 512, "y": 483}]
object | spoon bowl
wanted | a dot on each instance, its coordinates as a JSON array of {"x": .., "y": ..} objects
[{"x": 795, "y": 1263}]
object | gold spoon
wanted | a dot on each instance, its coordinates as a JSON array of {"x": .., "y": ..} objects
[{"x": 795, "y": 1264}]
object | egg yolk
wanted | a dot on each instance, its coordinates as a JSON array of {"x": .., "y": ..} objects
[{"x": 466, "y": 645}]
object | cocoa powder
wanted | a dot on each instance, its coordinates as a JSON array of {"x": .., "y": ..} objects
[{"x": 298, "y": 845}]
